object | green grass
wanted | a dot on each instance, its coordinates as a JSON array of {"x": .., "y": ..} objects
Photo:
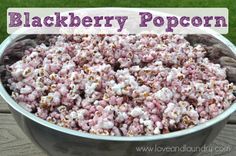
[{"x": 230, "y": 4}]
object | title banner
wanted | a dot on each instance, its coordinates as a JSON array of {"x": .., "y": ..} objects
[{"x": 117, "y": 20}]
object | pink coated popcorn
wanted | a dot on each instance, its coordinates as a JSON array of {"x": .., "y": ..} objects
[{"x": 121, "y": 85}]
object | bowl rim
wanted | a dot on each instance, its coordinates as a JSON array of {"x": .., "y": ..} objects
[{"x": 180, "y": 133}]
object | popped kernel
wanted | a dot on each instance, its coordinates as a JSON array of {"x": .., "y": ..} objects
[{"x": 27, "y": 72}]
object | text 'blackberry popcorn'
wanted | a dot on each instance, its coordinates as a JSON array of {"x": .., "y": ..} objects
[{"x": 121, "y": 85}]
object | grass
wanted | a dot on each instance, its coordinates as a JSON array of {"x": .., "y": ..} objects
[{"x": 230, "y": 4}]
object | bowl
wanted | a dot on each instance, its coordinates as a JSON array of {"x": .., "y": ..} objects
[{"x": 59, "y": 141}]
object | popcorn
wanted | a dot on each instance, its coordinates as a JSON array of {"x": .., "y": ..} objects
[
  {"x": 123, "y": 85},
  {"x": 117, "y": 88},
  {"x": 27, "y": 72},
  {"x": 107, "y": 124},
  {"x": 90, "y": 88},
  {"x": 137, "y": 111},
  {"x": 81, "y": 113},
  {"x": 122, "y": 116},
  {"x": 156, "y": 131},
  {"x": 147, "y": 123},
  {"x": 165, "y": 94},
  {"x": 26, "y": 90},
  {"x": 73, "y": 115}
]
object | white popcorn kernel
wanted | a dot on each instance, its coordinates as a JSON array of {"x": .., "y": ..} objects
[
  {"x": 158, "y": 63},
  {"x": 108, "y": 109},
  {"x": 199, "y": 86},
  {"x": 137, "y": 111},
  {"x": 26, "y": 90},
  {"x": 73, "y": 115},
  {"x": 90, "y": 88},
  {"x": 135, "y": 68},
  {"x": 96, "y": 102},
  {"x": 156, "y": 131},
  {"x": 121, "y": 116},
  {"x": 117, "y": 88},
  {"x": 165, "y": 94},
  {"x": 149, "y": 124},
  {"x": 81, "y": 113},
  {"x": 169, "y": 107},
  {"x": 33, "y": 54},
  {"x": 107, "y": 124},
  {"x": 193, "y": 114},
  {"x": 171, "y": 122},
  {"x": 136, "y": 59},
  {"x": 171, "y": 75}
]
